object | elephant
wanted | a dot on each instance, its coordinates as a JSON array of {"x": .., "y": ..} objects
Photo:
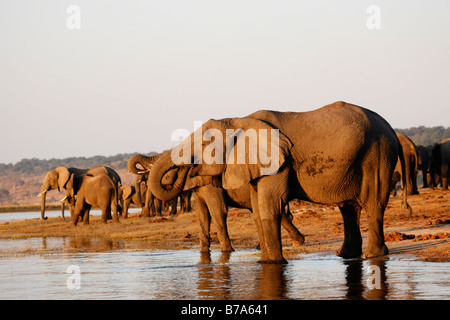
[
  {"x": 150, "y": 204},
  {"x": 440, "y": 159},
  {"x": 411, "y": 156},
  {"x": 424, "y": 164},
  {"x": 212, "y": 202},
  {"x": 58, "y": 177},
  {"x": 340, "y": 154},
  {"x": 129, "y": 195},
  {"x": 86, "y": 191},
  {"x": 185, "y": 203}
]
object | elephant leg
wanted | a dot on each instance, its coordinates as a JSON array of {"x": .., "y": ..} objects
[
  {"x": 115, "y": 212},
  {"x": 444, "y": 174},
  {"x": 78, "y": 209},
  {"x": 106, "y": 211},
  {"x": 218, "y": 211},
  {"x": 294, "y": 233},
  {"x": 86, "y": 210},
  {"x": 415, "y": 189},
  {"x": 425, "y": 179},
  {"x": 108, "y": 215},
  {"x": 271, "y": 202},
  {"x": 257, "y": 219},
  {"x": 158, "y": 206},
  {"x": 352, "y": 246},
  {"x": 173, "y": 209},
  {"x": 205, "y": 222},
  {"x": 126, "y": 205},
  {"x": 146, "y": 210},
  {"x": 375, "y": 206},
  {"x": 376, "y": 246}
]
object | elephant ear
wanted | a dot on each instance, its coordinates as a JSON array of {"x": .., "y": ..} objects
[
  {"x": 70, "y": 186},
  {"x": 255, "y": 149},
  {"x": 126, "y": 191},
  {"x": 63, "y": 177}
]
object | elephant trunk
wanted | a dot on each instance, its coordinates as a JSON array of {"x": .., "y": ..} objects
[
  {"x": 160, "y": 168},
  {"x": 43, "y": 194},
  {"x": 62, "y": 208},
  {"x": 145, "y": 162}
]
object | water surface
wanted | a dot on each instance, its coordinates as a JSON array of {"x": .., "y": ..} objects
[
  {"x": 14, "y": 216},
  {"x": 120, "y": 270}
]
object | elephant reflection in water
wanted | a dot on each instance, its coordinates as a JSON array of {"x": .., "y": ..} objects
[
  {"x": 362, "y": 280},
  {"x": 217, "y": 281},
  {"x": 366, "y": 283}
]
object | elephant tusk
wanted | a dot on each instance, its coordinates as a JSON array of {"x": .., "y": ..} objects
[
  {"x": 41, "y": 193},
  {"x": 62, "y": 200},
  {"x": 142, "y": 172}
]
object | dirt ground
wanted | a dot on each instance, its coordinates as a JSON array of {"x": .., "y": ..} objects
[{"x": 426, "y": 234}]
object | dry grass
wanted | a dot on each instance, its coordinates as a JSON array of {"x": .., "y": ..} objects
[{"x": 322, "y": 226}]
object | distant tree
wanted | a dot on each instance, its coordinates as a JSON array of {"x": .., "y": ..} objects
[
  {"x": 426, "y": 136},
  {"x": 4, "y": 194}
]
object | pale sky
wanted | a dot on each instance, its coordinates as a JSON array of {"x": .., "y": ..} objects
[{"x": 135, "y": 71}]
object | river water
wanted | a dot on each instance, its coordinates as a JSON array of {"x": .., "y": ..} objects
[
  {"x": 68, "y": 268},
  {"x": 4, "y": 217},
  {"x": 62, "y": 268}
]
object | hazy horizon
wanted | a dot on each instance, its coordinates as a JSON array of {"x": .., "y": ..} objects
[{"x": 121, "y": 76}]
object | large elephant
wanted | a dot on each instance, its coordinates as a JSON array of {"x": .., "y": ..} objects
[
  {"x": 212, "y": 202},
  {"x": 340, "y": 154},
  {"x": 92, "y": 191},
  {"x": 58, "y": 177},
  {"x": 411, "y": 156},
  {"x": 441, "y": 161}
]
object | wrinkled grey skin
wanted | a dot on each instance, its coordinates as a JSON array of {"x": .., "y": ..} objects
[{"x": 340, "y": 154}]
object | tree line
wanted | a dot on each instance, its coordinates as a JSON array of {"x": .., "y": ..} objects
[
  {"x": 426, "y": 136},
  {"x": 36, "y": 166},
  {"x": 420, "y": 135}
]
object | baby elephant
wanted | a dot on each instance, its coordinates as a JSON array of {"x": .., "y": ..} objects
[{"x": 88, "y": 191}]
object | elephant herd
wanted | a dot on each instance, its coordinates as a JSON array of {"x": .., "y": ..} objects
[
  {"x": 101, "y": 187},
  {"x": 432, "y": 161},
  {"x": 340, "y": 154}
]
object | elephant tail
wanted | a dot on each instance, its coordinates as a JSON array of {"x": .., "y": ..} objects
[
  {"x": 116, "y": 200},
  {"x": 405, "y": 206}
]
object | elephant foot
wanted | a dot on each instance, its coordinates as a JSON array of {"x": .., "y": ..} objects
[
  {"x": 347, "y": 253},
  {"x": 283, "y": 261},
  {"x": 376, "y": 252},
  {"x": 228, "y": 250}
]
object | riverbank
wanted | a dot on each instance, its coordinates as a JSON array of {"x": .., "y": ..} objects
[
  {"x": 29, "y": 208},
  {"x": 426, "y": 234}
]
